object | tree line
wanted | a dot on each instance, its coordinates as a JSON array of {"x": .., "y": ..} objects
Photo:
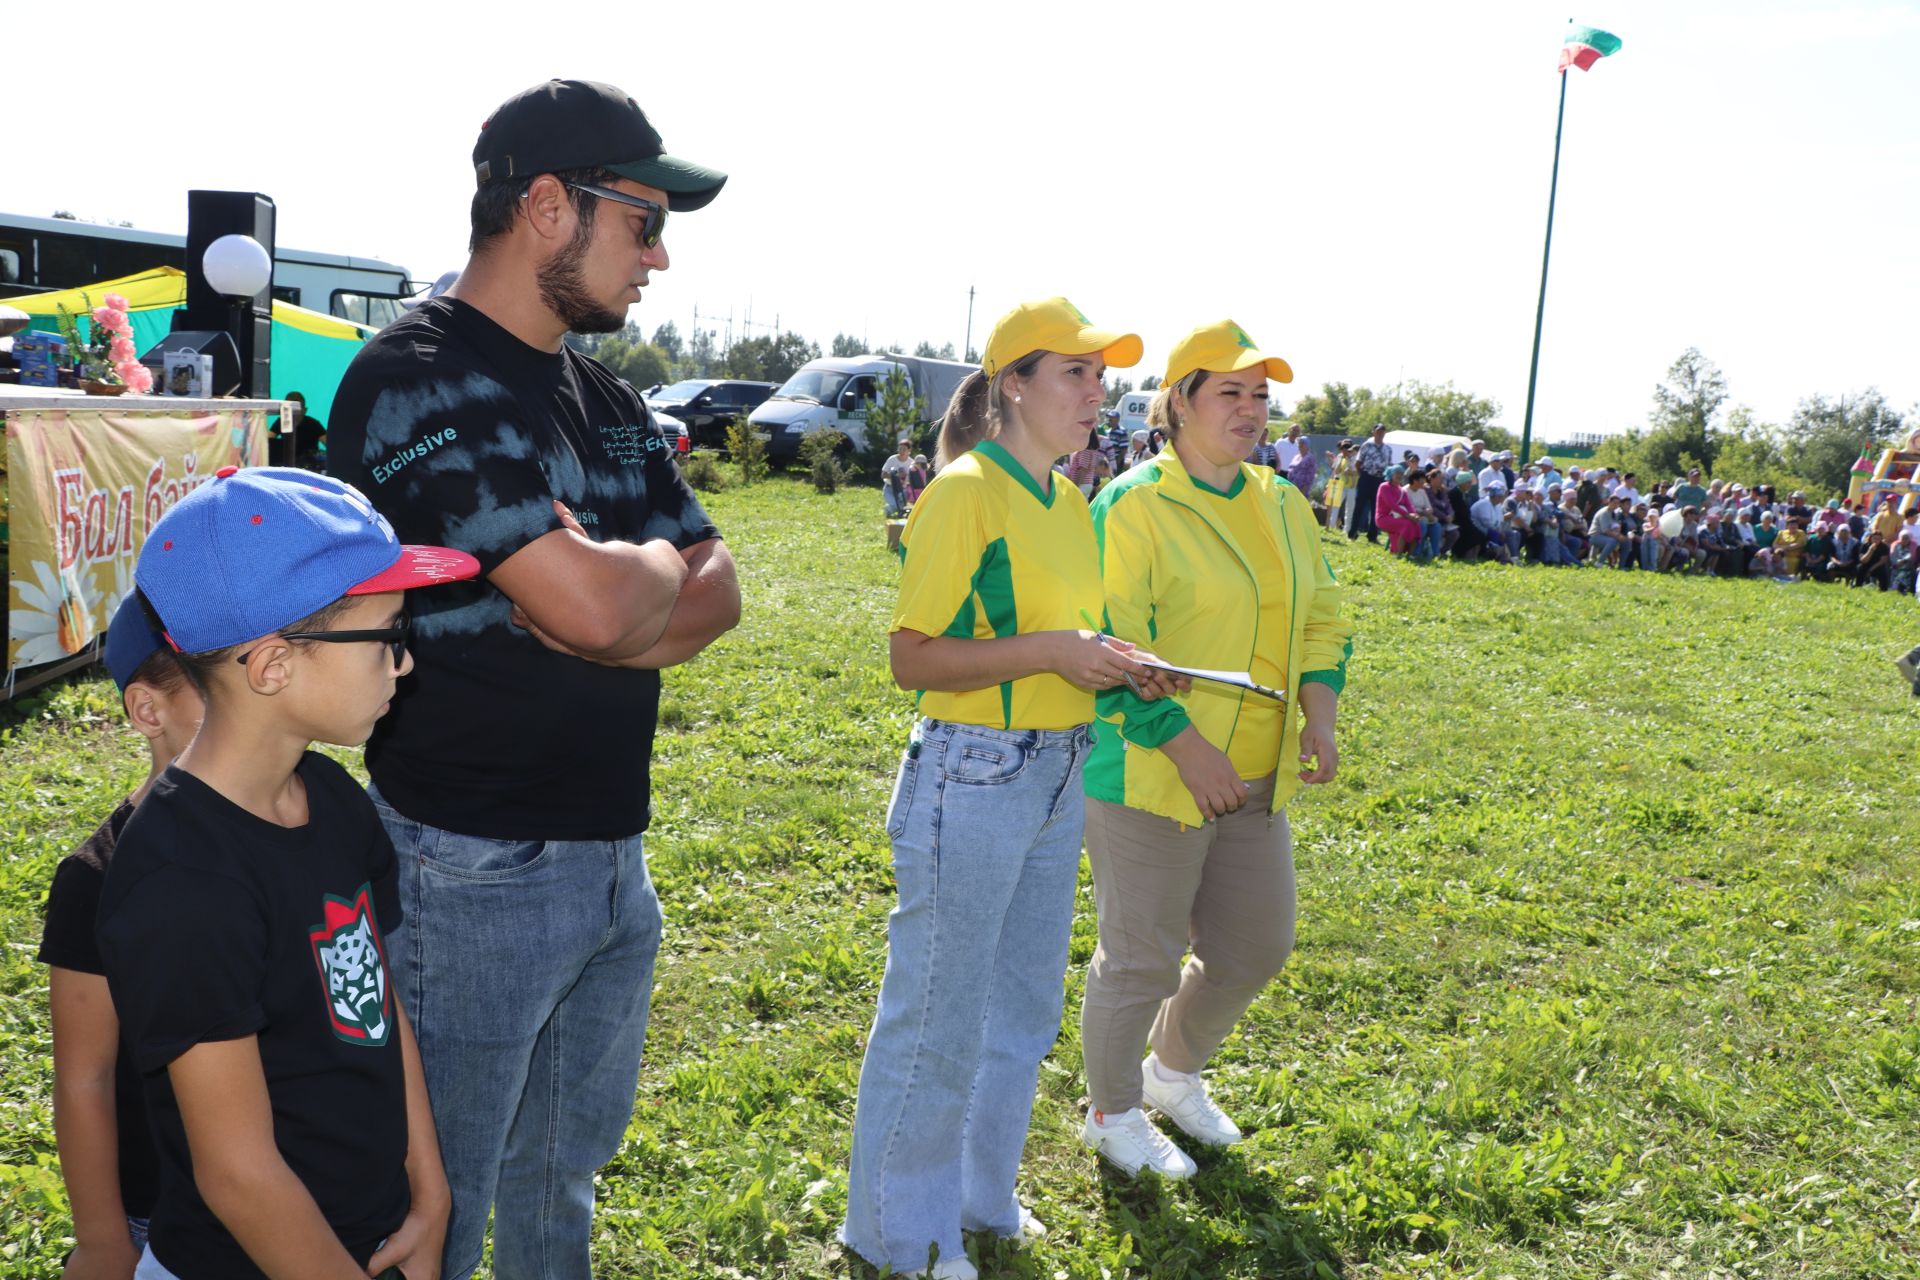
[
  {"x": 1813, "y": 451},
  {"x": 667, "y": 356},
  {"x": 1689, "y": 423}
]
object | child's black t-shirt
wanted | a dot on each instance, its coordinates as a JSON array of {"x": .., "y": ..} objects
[
  {"x": 68, "y": 943},
  {"x": 215, "y": 925}
]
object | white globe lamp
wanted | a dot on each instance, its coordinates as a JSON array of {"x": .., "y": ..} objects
[{"x": 237, "y": 266}]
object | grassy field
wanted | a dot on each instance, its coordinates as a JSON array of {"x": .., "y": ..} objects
[{"x": 1608, "y": 963}]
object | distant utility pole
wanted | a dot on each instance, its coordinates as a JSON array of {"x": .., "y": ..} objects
[{"x": 968, "y": 345}]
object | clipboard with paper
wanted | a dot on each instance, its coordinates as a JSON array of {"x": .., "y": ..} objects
[{"x": 1236, "y": 679}]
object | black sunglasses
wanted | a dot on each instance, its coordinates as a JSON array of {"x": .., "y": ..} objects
[
  {"x": 656, "y": 223},
  {"x": 394, "y": 637}
]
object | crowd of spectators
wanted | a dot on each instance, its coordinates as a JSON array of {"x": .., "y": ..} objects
[
  {"x": 1479, "y": 504},
  {"x": 1473, "y": 504}
]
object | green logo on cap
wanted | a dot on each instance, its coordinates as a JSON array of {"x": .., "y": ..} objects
[
  {"x": 1077, "y": 313},
  {"x": 1240, "y": 338}
]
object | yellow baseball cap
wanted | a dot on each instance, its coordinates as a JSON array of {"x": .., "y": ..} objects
[
  {"x": 1221, "y": 347},
  {"x": 1055, "y": 325}
]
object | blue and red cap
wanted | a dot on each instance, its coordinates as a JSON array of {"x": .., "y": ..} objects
[
  {"x": 131, "y": 640},
  {"x": 254, "y": 550}
]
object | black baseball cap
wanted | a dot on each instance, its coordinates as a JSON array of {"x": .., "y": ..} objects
[{"x": 582, "y": 124}]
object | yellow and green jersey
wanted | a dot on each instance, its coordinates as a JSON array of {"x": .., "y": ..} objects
[
  {"x": 1230, "y": 581},
  {"x": 989, "y": 553},
  {"x": 1254, "y": 744}
]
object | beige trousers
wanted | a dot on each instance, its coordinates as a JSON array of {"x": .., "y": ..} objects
[{"x": 1224, "y": 889}]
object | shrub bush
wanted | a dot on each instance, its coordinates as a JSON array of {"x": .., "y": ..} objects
[
  {"x": 820, "y": 451},
  {"x": 747, "y": 450},
  {"x": 702, "y": 471},
  {"x": 896, "y": 412}
]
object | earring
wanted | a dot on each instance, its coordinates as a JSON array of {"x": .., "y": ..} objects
[{"x": 1016, "y": 399}]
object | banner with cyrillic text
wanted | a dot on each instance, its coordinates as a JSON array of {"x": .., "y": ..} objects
[{"x": 86, "y": 486}]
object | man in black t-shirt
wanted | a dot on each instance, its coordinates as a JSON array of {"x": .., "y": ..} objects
[{"x": 513, "y": 773}]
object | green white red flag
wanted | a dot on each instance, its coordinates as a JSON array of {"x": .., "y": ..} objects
[{"x": 1586, "y": 46}]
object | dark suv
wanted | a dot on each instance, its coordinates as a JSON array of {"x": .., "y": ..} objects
[{"x": 707, "y": 405}]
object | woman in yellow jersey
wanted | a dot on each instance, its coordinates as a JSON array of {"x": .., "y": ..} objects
[
  {"x": 1217, "y": 565},
  {"x": 1000, "y": 573}
]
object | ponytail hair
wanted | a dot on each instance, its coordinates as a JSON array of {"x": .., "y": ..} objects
[
  {"x": 977, "y": 409},
  {"x": 1161, "y": 413}
]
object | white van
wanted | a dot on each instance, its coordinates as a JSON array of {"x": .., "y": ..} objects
[
  {"x": 837, "y": 391},
  {"x": 1432, "y": 446},
  {"x": 1133, "y": 411}
]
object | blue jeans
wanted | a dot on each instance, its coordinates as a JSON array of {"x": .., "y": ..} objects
[
  {"x": 986, "y": 827},
  {"x": 150, "y": 1267},
  {"x": 1602, "y": 547},
  {"x": 526, "y": 968},
  {"x": 1430, "y": 535}
]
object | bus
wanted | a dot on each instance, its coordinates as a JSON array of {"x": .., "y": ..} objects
[{"x": 40, "y": 255}]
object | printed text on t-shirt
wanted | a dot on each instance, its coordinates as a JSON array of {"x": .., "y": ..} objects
[
  {"x": 628, "y": 443},
  {"x": 391, "y": 467}
]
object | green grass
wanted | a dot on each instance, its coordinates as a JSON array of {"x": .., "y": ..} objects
[{"x": 1609, "y": 949}]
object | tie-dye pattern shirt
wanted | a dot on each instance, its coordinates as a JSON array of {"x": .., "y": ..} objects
[{"x": 462, "y": 436}]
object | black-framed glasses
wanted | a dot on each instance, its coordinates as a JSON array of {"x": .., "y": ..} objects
[
  {"x": 394, "y": 637},
  {"x": 656, "y": 223}
]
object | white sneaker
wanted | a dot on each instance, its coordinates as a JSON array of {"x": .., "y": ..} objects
[
  {"x": 1031, "y": 1229},
  {"x": 1129, "y": 1141},
  {"x": 951, "y": 1269},
  {"x": 1184, "y": 1101}
]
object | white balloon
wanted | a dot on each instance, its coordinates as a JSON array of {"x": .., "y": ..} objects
[
  {"x": 1672, "y": 522},
  {"x": 237, "y": 266}
]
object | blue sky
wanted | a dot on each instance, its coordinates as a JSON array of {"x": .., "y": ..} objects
[{"x": 1362, "y": 186}]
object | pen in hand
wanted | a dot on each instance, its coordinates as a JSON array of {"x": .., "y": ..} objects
[{"x": 1103, "y": 637}]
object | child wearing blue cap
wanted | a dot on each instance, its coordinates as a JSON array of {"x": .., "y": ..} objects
[
  {"x": 244, "y": 914},
  {"x": 99, "y": 1111}
]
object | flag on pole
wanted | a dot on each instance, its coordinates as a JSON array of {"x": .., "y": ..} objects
[{"x": 1586, "y": 46}]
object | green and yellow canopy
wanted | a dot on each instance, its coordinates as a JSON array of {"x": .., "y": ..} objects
[{"x": 310, "y": 350}]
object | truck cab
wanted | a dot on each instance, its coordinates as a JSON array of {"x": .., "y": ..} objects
[{"x": 839, "y": 391}]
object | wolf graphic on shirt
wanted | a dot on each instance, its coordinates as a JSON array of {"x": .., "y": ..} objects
[{"x": 353, "y": 969}]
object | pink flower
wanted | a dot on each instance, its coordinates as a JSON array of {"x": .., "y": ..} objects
[
  {"x": 112, "y": 321},
  {"x": 121, "y": 349},
  {"x": 118, "y": 302},
  {"x": 135, "y": 375}
]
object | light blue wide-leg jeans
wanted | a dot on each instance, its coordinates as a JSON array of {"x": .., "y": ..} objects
[{"x": 986, "y": 828}]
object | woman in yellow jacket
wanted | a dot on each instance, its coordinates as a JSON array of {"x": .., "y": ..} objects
[{"x": 1211, "y": 564}]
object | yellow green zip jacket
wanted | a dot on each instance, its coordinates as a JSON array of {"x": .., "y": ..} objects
[{"x": 1178, "y": 583}]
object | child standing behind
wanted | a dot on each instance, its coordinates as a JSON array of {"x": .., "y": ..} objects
[
  {"x": 99, "y": 1111},
  {"x": 244, "y": 914}
]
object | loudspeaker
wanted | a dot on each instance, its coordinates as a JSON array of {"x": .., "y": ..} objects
[{"x": 210, "y": 215}]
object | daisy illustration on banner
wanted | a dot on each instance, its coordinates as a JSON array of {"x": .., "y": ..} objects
[{"x": 52, "y": 620}]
